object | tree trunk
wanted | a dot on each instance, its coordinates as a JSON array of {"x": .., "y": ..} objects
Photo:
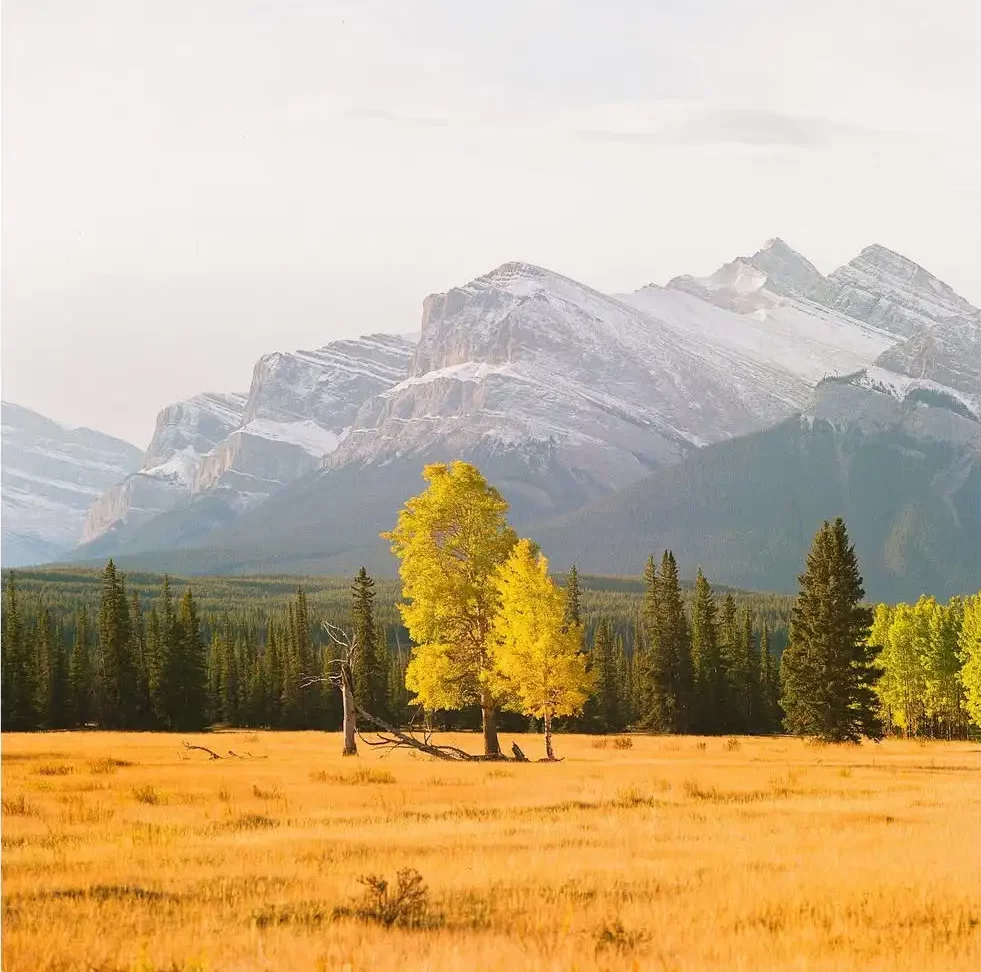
[
  {"x": 491, "y": 746},
  {"x": 549, "y": 753},
  {"x": 350, "y": 713}
]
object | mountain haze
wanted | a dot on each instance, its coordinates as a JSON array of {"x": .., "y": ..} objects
[{"x": 571, "y": 401}]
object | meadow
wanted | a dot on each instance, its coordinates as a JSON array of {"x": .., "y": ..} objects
[{"x": 128, "y": 852}]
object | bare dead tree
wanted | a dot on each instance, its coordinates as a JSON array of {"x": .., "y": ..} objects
[{"x": 340, "y": 673}]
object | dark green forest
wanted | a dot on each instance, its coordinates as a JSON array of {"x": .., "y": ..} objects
[{"x": 83, "y": 647}]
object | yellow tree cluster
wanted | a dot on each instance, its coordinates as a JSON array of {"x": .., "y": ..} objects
[
  {"x": 930, "y": 656},
  {"x": 485, "y": 616}
]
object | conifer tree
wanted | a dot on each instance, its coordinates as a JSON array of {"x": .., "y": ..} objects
[
  {"x": 751, "y": 659},
  {"x": 735, "y": 668},
  {"x": 710, "y": 685},
  {"x": 768, "y": 681},
  {"x": 52, "y": 669},
  {"x": 191, "y": 695},
  {"x": 669, "y": 662},
  {"x": 624, "y": 684},
  {"x": 115, "y": 677},
  {"x": 644, "y": 659},
  {"x": 80, "y": 673},
  {"x": 603, "y": 667},
  {"x": 142, "y": 702},
  {"x": 370, "y": 672},
  {"x": 273, "y": 673},
  {"x": 828, "y": 672},
  {"x": 573, "y": 598},
  {"x": 19, "y": 677}
]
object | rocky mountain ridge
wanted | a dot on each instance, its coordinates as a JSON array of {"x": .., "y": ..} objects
[{"x": 562, "y": 393}]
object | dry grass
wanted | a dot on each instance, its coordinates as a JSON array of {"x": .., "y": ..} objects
[{"x": 673, "y": 854}]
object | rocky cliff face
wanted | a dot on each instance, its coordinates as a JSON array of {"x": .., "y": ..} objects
[
  {"x": 241, "y": 448},
  {"x": 886, "y": 289},
  {"x": 563, "y": 394},
  {"x": 51, "y": 474},
  {"x": 184, "y": 434}
]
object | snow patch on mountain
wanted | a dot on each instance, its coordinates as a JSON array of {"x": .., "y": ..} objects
[{"x": 50, "y": 476}]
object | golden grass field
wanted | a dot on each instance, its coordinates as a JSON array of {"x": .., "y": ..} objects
[{"x": 677, "y": 853}]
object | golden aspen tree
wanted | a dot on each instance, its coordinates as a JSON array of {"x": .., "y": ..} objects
[
  {"x": 450, "y": 541},
  {"x": 539, "y": 667}
]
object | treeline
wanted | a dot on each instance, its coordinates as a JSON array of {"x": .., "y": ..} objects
[
  {"x": 707, "y": 669},
  {"x": 139, "y": 658},
  {"x": 162, "y": 668}
]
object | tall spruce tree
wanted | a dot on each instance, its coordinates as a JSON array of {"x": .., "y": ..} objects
[
  {"x": 370, "y": 671},
  {"x": 828, "y": 671},
  {"x": 606, "y": 716},
  {"x": 190, "y": 683},
  {"x": 734, "y": 667},
  {"x": 669, "y": 662},
  {"x": 750, "y": 653},
  {"x": 80, "y": 673},
  {"x": 19, "y": 678},
  {"x": 115, "y": 677},
  {"x": 769, "y": 688},
  {"x": 710, "y": 683},
  {"x": 573, "y": 598}
]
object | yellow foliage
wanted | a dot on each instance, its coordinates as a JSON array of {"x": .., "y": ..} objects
[
  {"x": 538, "y": 667},
  {"x": 450, "y": 541}
]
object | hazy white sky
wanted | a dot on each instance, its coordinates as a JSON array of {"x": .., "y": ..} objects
[{"x": 188, "y": 184}]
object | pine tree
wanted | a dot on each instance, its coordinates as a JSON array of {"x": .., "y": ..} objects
[
  {"x": 142, "y": 703},
  {"x": 272, "y": 660},
  {"x": 115, "y": 675},
  {"x": 190, "y": 683},
  {"x": 80, "y": 673},
  {"x": 603, "y": 666},
  {"x": 710, "y": 685},
  {"x": 669, "y": 662},
  {"x": 573, "y": 598},
  {"x": 18, "y": 679},
  {"x": 621, "y": 666},
  {"x": 51, "y": 666},
  {"x": 370, "y": 672},
  {"x": 827, "y": 670},
  {"x": 769, "y": 687},
  {"x": 751, "y": 659},
  {"x": 735, "y": 669}
]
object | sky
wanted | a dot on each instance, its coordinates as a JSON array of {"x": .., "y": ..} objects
[{"x": 189, "y": 184}]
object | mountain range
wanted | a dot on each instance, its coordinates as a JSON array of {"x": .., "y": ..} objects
[{"x": 678, "y": 415}]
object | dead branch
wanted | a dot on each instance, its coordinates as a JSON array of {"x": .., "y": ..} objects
[
  {"x": 203, "y": 749},
  {"x": 518, "y": 754}
]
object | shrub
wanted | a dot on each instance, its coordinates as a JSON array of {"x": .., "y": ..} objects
[
  {"x": 18, "y": 807},
  {"x": 407, "y": 903},
  {"x": 614, "y": 935},
  {"x": 623, "y": 742},
  {"x": 55, "y": 769},
  {"x": 106, "y": 764},
  {"x": 271, "y": 793},
  {"x": 732, "y": 745},
  {"x": 146, "y": 794},
  {"x": 600, "y": 743}
]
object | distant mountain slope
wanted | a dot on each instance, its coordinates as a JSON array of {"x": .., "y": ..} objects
[
  {"x": 50, "y": 476},
  {"x": 562, "y": 395},
  {"x": 906, "y": 475},
  {"x": 228, "y": 452}
]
